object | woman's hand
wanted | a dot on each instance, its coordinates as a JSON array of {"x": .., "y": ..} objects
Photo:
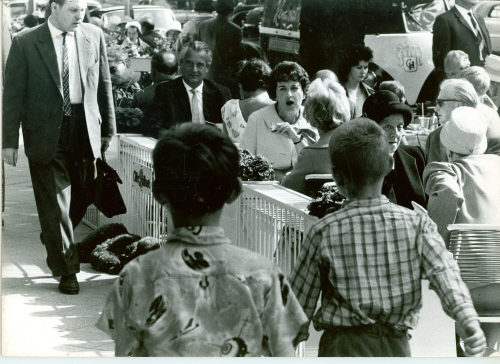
[{"x": 286, "y": 130}]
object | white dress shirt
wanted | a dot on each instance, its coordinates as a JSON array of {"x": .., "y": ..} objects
[
  {"x": 465, "y": 14},
  {"x": 199, "y": 93},
  {"x": 75, "y": 85}
]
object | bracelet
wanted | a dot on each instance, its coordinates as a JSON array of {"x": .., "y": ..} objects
[{"x": 300, "y": 139}]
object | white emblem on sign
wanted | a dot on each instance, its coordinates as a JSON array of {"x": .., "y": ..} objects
[{"x": 410, "y": 56}]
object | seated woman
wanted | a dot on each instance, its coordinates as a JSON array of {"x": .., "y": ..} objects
[
  {"x": 252, "y": 79},
  {"x": 326, "y": 108},
  {"x": 353, "y": 69},
  {"x": 404, "y": 184},
  {"x": 199, "y": 295},
  {"x": 465, "y": 191},
  {"x": 279, "y": 131}
]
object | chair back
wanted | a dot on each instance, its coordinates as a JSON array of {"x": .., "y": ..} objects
[{"x": 476, "y": 247}]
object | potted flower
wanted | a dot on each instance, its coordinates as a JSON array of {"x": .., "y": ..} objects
[
  {"x": 328, "y": 200},
  {"x": 254, "y": 167}
]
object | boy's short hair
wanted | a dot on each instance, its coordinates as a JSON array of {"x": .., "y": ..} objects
[
  {"x": 196, "y": 169},
  {"x": 359, "y": 152}
]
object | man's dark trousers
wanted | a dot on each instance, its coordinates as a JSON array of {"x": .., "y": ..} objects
[{"x": 63, "y": 190}]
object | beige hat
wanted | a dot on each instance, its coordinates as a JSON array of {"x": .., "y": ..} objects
[
  {"x": 492, "y": 66},
  {"x": 465, "y": 132}
]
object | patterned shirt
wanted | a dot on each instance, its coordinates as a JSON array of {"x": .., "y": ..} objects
[
  {"x": 368, "y": 259},
  {"x": 200, "y": 296}
]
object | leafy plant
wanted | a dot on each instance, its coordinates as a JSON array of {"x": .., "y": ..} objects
[
  {"x": 329, "y": 200},
  {"x": 128, "y": 119},
  {"x": 255, "y": 167}
]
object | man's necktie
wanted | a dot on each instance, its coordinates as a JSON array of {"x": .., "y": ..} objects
[
  {"x": 477, "y": 30},
  {"x": 65, "y": 78},
  {"x": 195, "y": 111}
]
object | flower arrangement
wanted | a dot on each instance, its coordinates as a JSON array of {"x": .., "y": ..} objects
[
  {"x": 128, "y": 119},
  {"x": 254, "y": 167},
  {"x": 329, "y": 200}
]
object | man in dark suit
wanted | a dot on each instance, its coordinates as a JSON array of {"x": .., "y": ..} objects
[
  {"x": 189, "y": 98},
  {"x": 456, "y": 29},
  {"x": 164, "y": 67},
  {"x": 58, "y": 88},
  {"x": 224, "y": 39}
]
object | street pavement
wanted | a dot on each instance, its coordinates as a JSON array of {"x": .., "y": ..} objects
[{"x": 37, "y": 320}]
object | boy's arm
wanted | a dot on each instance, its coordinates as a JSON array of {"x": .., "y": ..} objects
[
  {"x": 305, "y": 279},
  {"x": 442, "y": 271},
  {"x": 283, "y": 319}
]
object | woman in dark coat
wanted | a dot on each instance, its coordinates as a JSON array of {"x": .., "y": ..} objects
[{"x": 404, "y": 183}]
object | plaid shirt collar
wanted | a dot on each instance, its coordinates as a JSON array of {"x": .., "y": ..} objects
[{"x": 366, "y": 202}]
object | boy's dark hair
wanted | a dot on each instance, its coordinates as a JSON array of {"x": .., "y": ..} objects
[
  {"x": 287, "y": 71},
  {"x": 254, "y": 74},
  {"x": 359, "y": 153},
  {"x": 196, "y": 169}
]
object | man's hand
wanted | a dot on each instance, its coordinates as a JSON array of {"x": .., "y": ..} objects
[
  {"x": 473, "y": 336},
  {"x": 105, "y": 144},
  {"x": 10, "y": 156}
]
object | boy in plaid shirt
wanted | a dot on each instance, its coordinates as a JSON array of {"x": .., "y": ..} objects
[{"x": 368, "y": 258}]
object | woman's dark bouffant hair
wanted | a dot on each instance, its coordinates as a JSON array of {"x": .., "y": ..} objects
[
  {"x": 351, "y": 57},
  {"x": 196, "y": 169},
  {"x": 254, "y": 74},
  {"x": 287, "y": 71}
]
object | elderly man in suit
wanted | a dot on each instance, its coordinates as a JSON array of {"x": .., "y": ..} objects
[
  {"x": 189, "y": 98},
  {"x": 58, "y": 88}
]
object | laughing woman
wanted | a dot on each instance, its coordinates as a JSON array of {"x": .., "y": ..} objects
[{"x": 279, "y": 131}]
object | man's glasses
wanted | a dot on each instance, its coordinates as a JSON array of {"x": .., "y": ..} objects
[{"x": 440, "y": 102}]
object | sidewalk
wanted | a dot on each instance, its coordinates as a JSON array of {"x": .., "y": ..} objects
[{"x": 37, "y": 320}]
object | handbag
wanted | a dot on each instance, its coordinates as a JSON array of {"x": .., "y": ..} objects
[{"x": 107, "y": 196}]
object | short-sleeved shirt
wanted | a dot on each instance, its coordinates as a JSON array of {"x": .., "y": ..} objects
[{"x": 200, "y": 296}]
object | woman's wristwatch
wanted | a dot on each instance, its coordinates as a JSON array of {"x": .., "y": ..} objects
[{"x": 301, "y": 136}]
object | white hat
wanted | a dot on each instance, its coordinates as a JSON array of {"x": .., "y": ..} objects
[
  {"x": 465, "y": 132},
  {"x": 492, "y": 66},
  {"x": 175, "y": 25},
  {"x": 133, "y": 23}
]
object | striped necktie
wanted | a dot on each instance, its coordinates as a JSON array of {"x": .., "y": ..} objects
[
  {"x": 479, "y": 36},
  {"x": 65, "y": 78}
]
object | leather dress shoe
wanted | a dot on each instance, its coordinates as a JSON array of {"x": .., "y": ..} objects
[{"x": 69, "y": 284}]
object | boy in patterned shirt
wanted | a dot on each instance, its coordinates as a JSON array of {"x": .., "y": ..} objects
[{"x": 368, "y": 258}]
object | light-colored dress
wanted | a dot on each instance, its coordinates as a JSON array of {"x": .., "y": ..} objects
[
  {"x": 259, "y": 139},
  {"x": 233, "y": 120},
  {"x": 201, "y": 296}
]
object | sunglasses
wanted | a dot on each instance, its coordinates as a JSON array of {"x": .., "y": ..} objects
[{"x": 440, "y": 102}]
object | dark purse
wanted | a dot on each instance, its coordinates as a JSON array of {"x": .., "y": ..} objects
[{"x": 107, "y": 196}]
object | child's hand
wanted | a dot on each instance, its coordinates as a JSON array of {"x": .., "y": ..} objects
[{"x": 473, "y": 336}]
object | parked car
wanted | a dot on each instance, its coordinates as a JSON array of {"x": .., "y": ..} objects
[{"x": 161, "y": 16}]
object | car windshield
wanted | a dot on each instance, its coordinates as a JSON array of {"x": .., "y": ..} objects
[{"x": 162, "y": 18}]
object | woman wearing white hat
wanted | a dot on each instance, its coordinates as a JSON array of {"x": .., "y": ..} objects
[
  {"x": 466, "y": 191},
  {"x": 132, "y": 40}
]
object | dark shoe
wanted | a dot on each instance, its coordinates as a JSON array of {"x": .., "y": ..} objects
[{"x": 69, "y": 284}]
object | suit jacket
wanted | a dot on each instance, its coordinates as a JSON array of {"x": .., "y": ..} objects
[
  {"x": 409, "y": 164},
  {"x": 452, "y": 32},
  {"x": 33, "y": 96},
  {"x": 171, "y": 105},
  {"x": 224, "y": 39}
]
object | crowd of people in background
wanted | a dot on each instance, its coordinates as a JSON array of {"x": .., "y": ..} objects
[{"x": 350, "y": 125}]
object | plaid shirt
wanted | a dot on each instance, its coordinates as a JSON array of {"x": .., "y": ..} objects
[{"x": 368, "y": 259}]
